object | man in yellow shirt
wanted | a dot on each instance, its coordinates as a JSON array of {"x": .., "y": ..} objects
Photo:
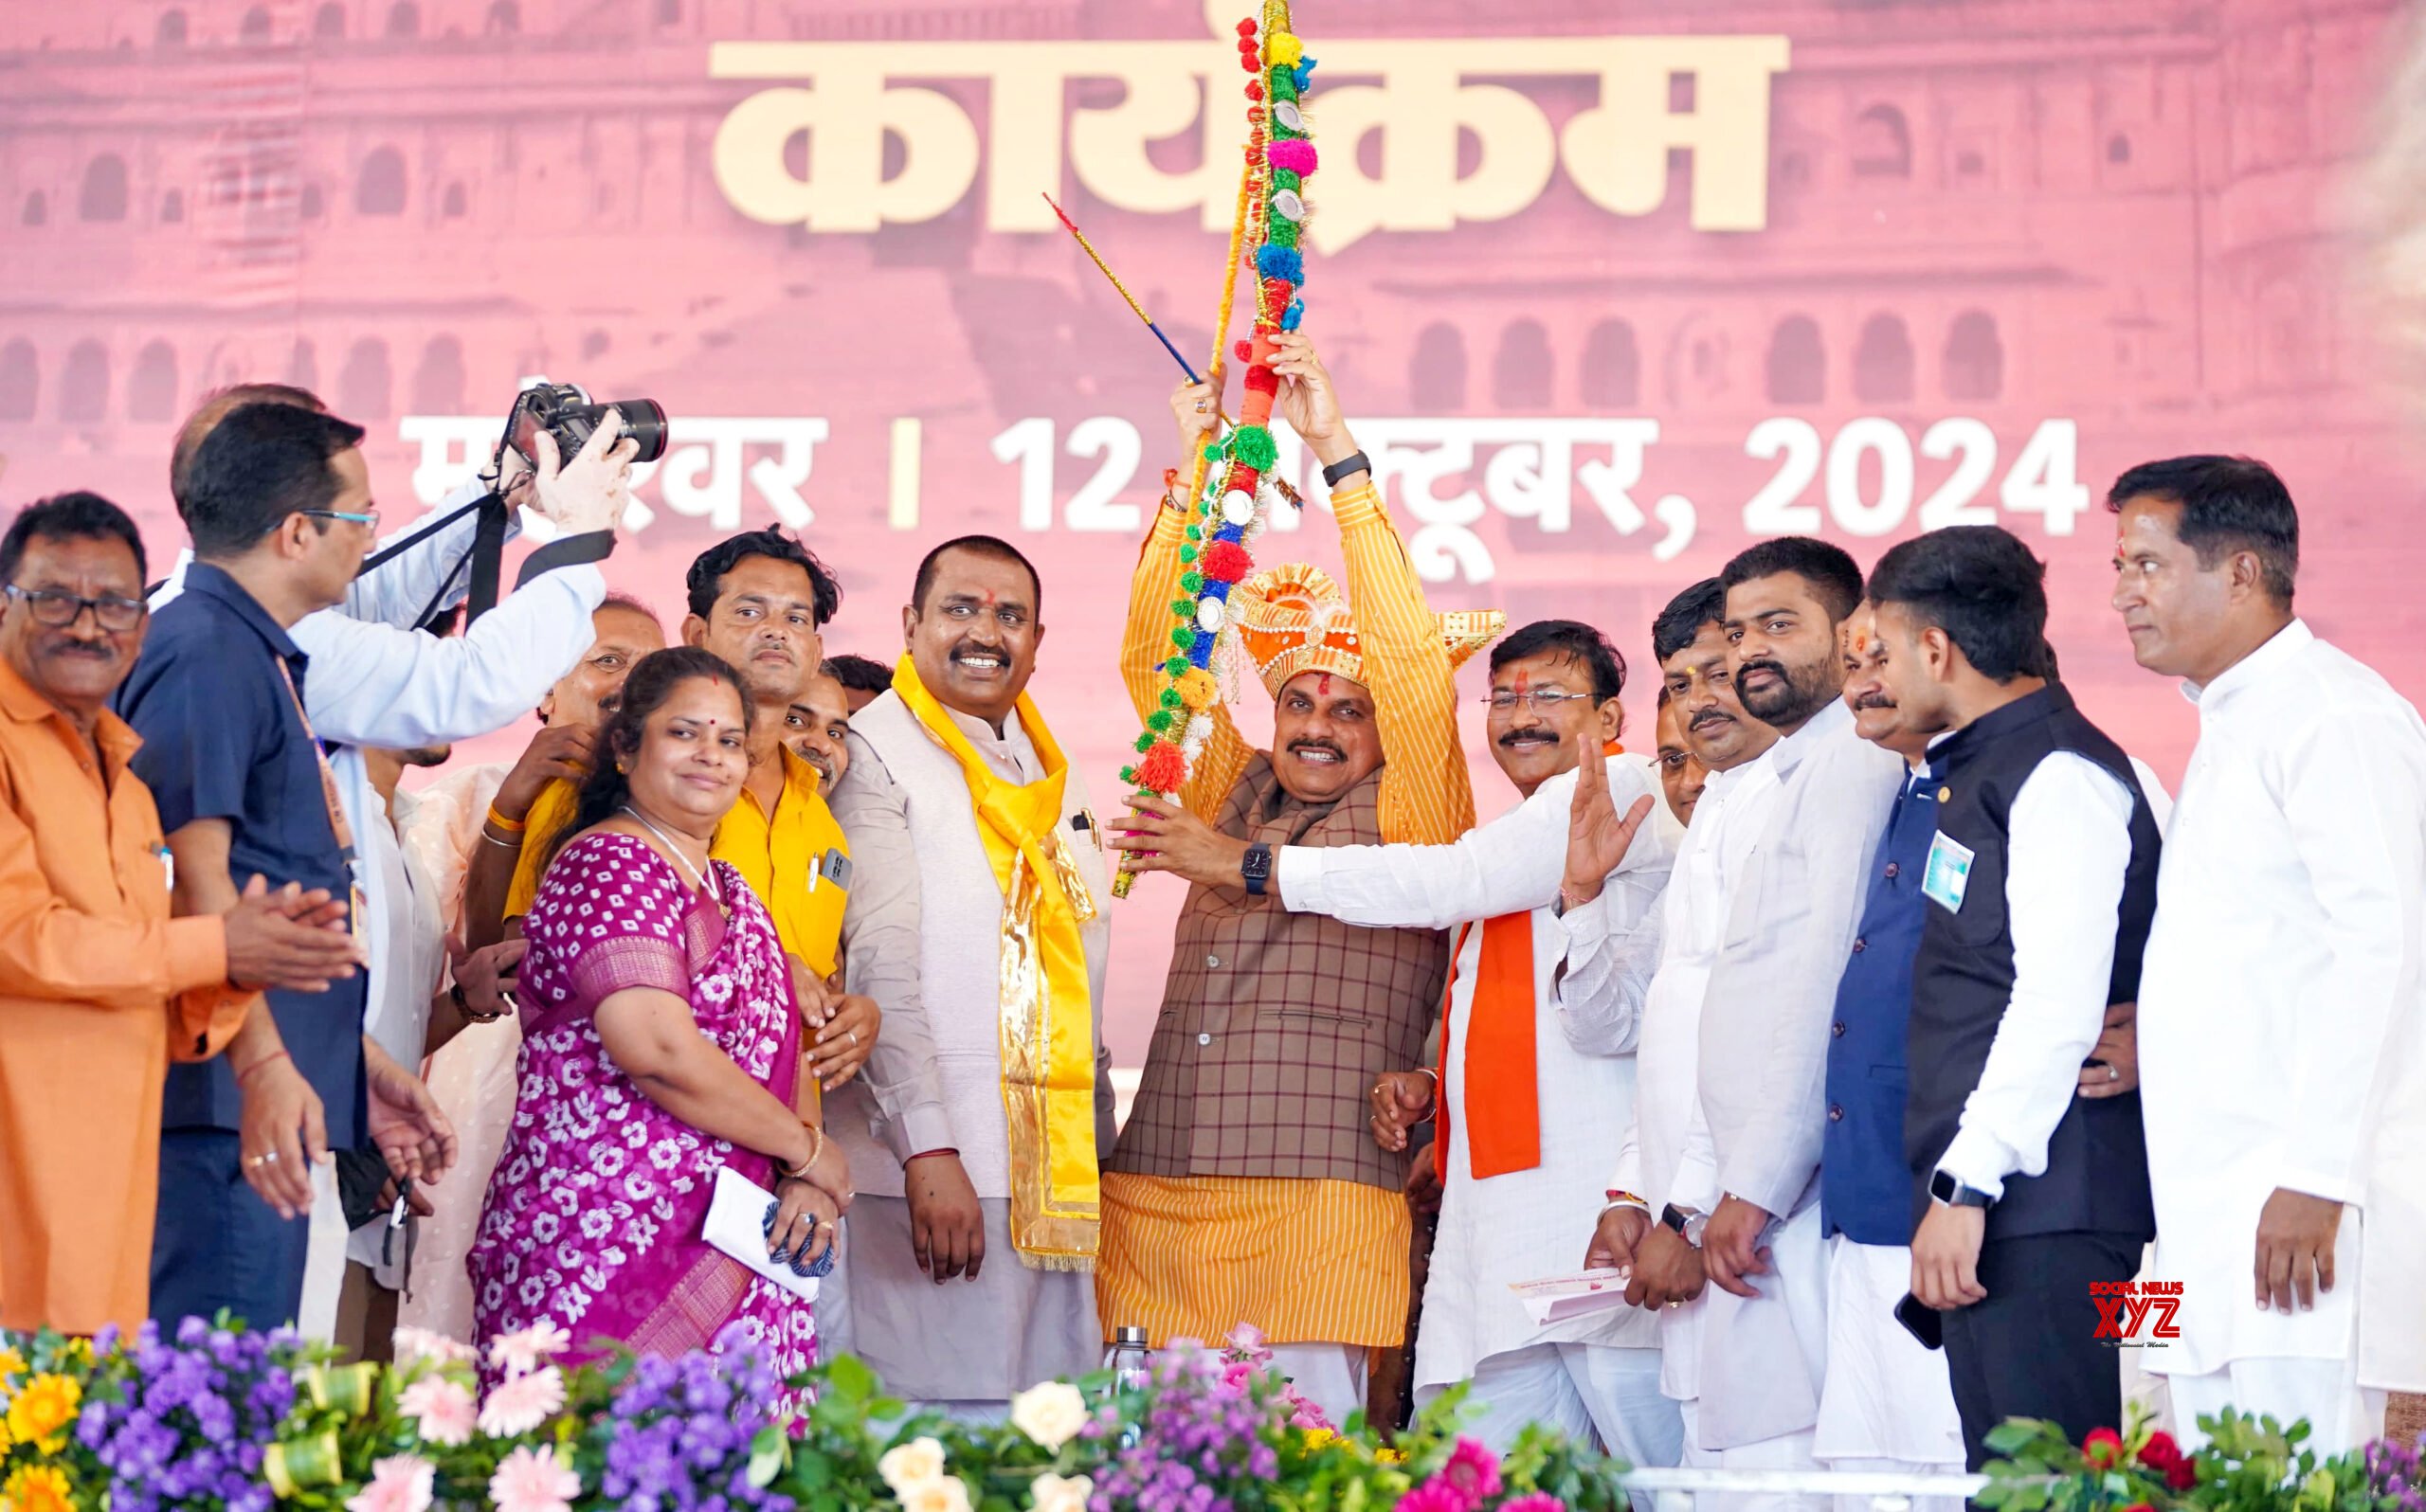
[
  {"x": 1247, "y": 1186},
  {"x": 760, "y": 600}
]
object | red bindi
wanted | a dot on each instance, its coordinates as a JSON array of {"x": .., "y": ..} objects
[{"x": 1322, "y": 685}]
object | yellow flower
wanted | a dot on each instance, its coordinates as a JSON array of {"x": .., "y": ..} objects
[
  {"x": 1318, "y": 1438},
  {"x": 37, "y": 1488},
  {"x": 12, "y": 1364},
  {"x": 46, "y": 1405},
  {"x": 1389, "y": 1457}
]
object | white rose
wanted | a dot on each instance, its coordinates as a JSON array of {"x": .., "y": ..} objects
[
  {"x": 1054, "y": 1494},
  {"x": 1051, "y": 1414},
  {"x": 945, "y": 1493},
  {"x": 910, "y": 1465}
]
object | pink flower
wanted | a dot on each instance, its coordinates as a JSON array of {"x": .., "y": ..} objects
[
  {"x": 1432, "y": 1496},
  {"x": 1246, "y": 1341},
  {"x": 1533, "y": 1502},
  {"x": 442, "y": 1409},
  {"x": 533, "y": 1482},
  {"x": 424, "y": 1343},
  {"x": 400, "y": 1483},
  {"x": 518, "y": 1354},
  {"x": 1303, "y": 1413},
  {"x": 523, "y": 1403},
  {"x": 1472, "y": 1474}
]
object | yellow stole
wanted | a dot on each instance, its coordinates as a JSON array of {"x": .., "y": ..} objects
[{"x": 1047, "y": 1020}]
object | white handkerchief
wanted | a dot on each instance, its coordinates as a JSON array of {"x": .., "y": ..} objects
[{"x": 737, "y": 1225}]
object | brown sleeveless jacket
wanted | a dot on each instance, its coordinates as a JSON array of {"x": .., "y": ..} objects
[{"x": 1274, "y": 1025}]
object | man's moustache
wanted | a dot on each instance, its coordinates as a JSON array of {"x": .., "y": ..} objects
[
  {"x": 1296, "y": 746},
  {"x": 1547, "y": 737},
  {"x": 1873, "y": 700},
  {"x": 1751, "y": 667},
  {"x": 1708, "y": 717}
]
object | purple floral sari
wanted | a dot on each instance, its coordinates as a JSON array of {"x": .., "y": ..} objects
[{"x": 595, "y": 1210}]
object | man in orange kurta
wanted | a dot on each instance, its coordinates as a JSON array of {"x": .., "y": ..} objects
[{"x": 99, "y": 987}]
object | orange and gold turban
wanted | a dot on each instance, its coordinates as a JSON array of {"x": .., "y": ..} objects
[{"x": 1292, "y": 619}]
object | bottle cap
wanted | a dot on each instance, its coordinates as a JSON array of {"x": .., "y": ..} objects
[{"x": 1128, "y": 1334}]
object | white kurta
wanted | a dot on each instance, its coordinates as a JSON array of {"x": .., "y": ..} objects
[
  {"x": 1668, "y": 1048},
  {"x": 1524, "y": 1225},
  {"x": 2283, "y": 1010}
]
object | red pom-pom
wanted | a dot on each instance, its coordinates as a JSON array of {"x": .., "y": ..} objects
[
  {"x": 1224, "y": 562},
  {"x": 1264, "y": 380},
  {"x": 1162, "y": 769},
  {"x": 1277, "y": 293},
  {"x": 1246, "y": 28},
  {"x": 1248, "y": 61},
  {"x": 1255, "y": 89},
  {"x": 1243, "y": 350}
]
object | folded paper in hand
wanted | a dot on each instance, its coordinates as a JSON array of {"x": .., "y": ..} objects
[
  {"x": 737, "y": 1225},
  {"x": 1555, "y": 1299}
]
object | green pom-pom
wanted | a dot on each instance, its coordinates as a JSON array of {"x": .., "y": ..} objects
[
  {"x": 1144, "y": 744},
  {"x": 1177, "y": 666},
  {"x": 1183, "y": 636},
  {"x": 1191, "y": 583},
  {"x": 1171, "y": 698},
  {"x": 1188, "y": 554},
  {"x": 1280, "y": 232},
  {"x": 1159, "y": 721},
  {"x": 1184, "y": 608},
  {"x": 1129, "y": 774},
  {"x": 1287, "y": 178},
  {"x": 1254, "y": 447},
  {"x": 1212, "y": 454},
  {"x": 1196, "y": 533}
]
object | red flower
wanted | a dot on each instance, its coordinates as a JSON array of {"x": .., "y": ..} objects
[
  {"x": 2181, "y": 1475},
  {"x": 2104, "y": 1450},
  {"x": 2160, "y": 1452}
]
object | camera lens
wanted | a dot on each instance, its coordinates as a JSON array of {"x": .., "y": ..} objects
[{"x": 644, "y": 421}]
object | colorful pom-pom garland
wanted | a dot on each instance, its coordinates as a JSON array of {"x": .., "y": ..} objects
[{"x": 1232, "y": 504}]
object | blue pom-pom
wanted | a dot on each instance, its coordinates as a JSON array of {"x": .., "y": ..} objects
[
  {"x": 1291, "y": 317},
  {"x": 1280, "y": 262},
  {"x": 1201, "y": 652},
  {"x": 1219, "y": 592},
  {"x": 1230, "y": 532},
  {"x": 1302, "y": 73}
]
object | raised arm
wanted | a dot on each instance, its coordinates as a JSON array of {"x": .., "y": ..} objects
[
  {"x": 1426, "y": 797},
  {"x": 1146, "y": 643}
]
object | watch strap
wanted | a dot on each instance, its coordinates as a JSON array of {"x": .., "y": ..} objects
[{"x": 1355, "y": 461}]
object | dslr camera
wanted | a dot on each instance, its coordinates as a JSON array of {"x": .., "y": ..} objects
[{"x": 567, "y": 412}]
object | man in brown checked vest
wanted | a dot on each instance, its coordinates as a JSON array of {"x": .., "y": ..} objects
[{"x": 1247, "y": 1187}]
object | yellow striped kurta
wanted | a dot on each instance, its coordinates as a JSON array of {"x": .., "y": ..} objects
[{"x": 1305, "y": 1262}]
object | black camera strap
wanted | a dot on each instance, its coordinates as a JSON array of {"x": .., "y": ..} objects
[{"x": 488, "y": 550}]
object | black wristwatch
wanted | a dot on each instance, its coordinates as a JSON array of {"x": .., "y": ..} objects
[
  {"x": 1355, "y": 461},
  {"x": 1945, "y": 1189},
  {"x": 1688, "y": 1223},
  {"x": 1255, "y": 867}
]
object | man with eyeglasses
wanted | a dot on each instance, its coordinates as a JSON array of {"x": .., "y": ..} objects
[
  {"x": 99, "y": 987},
  {"x": 377, "y": 682},
  {"x": 279, "y": 511}
]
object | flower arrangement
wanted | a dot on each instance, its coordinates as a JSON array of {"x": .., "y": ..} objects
[
  {"x": 1233, "y": 491},
  {"x": 2245, "y": 1464},
  {"x": 224, "y": 1418}
]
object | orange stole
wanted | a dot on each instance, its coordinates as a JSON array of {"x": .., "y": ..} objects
[{"x": 1503, "y": 1069}]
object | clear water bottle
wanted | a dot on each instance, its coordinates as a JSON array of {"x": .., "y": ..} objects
[{"x": 1129, "y": 1360}]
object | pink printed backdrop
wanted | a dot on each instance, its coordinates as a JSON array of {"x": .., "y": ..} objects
[{"x": 1989, "y": 220}]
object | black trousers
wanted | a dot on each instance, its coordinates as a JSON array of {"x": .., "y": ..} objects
[{"x": 2031, "y": 1349}]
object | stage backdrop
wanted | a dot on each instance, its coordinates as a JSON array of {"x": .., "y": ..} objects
[{"x": 1610, "y": 291}]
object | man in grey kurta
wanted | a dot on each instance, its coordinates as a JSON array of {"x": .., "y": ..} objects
[{"x": 931, "y": 1292}]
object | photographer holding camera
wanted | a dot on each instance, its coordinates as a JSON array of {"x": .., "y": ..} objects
[{"x": 376, "y": 682}]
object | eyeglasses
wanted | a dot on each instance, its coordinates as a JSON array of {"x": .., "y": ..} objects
[
  {"x": 1544, "y": 700},
  {"x": 59, "y": 608},
  {"x": 368, "y": 518}
]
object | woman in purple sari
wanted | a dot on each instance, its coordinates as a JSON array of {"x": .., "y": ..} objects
[{"x": 661, "y": 1042}]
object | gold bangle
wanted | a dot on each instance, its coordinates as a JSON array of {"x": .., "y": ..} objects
[{"x": 800, "y": 1172}]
